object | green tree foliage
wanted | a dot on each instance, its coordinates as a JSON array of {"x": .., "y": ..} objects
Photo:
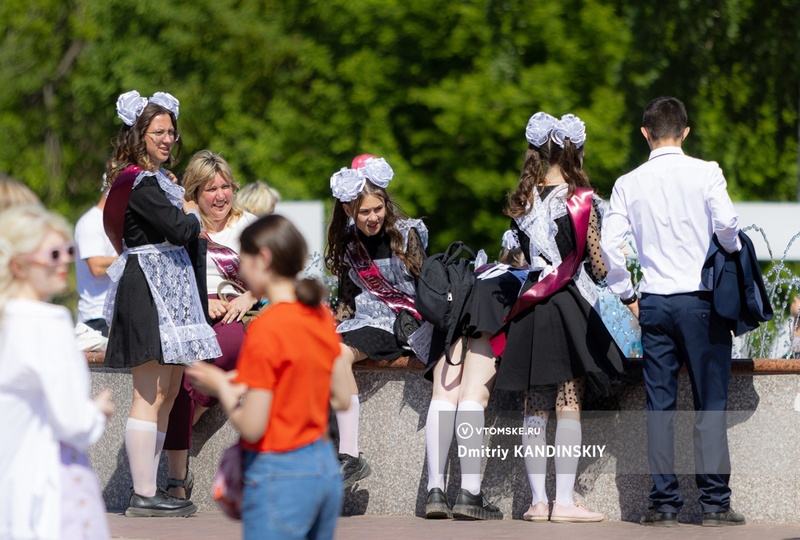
[{"x": 290, "y": 91}]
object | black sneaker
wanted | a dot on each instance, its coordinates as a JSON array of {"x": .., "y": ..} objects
[
  {"x": 654, "y": 518},
  {"x": 162, "y": 504},
  {"x": 469, "y": 506},
  {"x": 436, "y": 506},
  {"x": 721, "y": 519},
  {"x": 353, "y": 469}
]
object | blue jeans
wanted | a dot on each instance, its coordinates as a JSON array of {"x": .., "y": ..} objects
[{"x": 295, "y": 494}]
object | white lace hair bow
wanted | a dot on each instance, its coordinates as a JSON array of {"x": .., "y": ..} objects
[
  {"x": 131, "y": 104},
  {"x": 539, "y": 127},
  {"x": 510, "y": 240},
  {"x": 346, "y": 183},
  {"x": 569, "y": 127}
]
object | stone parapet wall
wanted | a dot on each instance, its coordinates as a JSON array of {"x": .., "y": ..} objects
[{"x": 763, "y": 436}]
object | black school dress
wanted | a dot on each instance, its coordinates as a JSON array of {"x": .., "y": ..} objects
[
  {"x": 366, "y": 323},
  {"x": 563, "y": 337},
  {"x": 135, "y": 334}
]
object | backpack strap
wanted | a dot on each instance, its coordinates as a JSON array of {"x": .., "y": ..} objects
[
  {"x": 459, "y": 306},
  {"x": 455, "y": 250}
]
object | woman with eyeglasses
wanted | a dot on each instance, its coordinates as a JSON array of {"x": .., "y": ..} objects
[
  {"x": 153, "y": 307},
  {"x": 47, "y": 487}
]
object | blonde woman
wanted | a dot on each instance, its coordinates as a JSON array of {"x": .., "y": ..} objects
[
  {"x": 15, "y": 193},
  {"x": 258, "y": 198},
  {"x": 47, "y": 487},
  {"x": 209, "y": 182}
]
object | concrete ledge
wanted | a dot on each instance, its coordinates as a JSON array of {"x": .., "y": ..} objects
[
  {"x": 764, "y": 435},
  {"x": 754, "y": 366}
]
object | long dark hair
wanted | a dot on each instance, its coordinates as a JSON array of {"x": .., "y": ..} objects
[
  {"x": 130, "y": 146},
  {"x": 289, "y": 254},
  {"x": 337, "y": 230},
  {"x": 537, "y": 162}
]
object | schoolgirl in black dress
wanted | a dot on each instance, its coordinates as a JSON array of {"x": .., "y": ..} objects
[
  {"x": 556, "y": 346},
  {"x": 153, "y": 307},
  {"x": 377, "y": 257}
]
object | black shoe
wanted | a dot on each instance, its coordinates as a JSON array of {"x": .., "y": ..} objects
[
  {"x": 721, "y": 519},
  {"x": 469, "y": 506},
  {"x": 162, "y": 504},
  {"x": 436, "y": 506},
  {"x": 353, "y": 469},
  {"x": 654, "y": 518}
]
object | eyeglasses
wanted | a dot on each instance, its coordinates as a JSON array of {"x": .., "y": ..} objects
[
  {"x": 61, "y": 255},
  {"x": 160, "y": 135}
]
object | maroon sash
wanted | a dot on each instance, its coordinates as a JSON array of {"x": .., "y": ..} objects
[
  {"x": 579, "y": 208},
  {"x": 225, "y": 259},
  {"x": 374, "y": 281},
  {"x": 117, "y": 204}
]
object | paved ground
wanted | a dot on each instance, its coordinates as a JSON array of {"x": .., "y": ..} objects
[{"x": 214, "y": 525}]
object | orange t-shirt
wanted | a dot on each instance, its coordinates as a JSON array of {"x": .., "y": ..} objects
[{"x": 289, "y": 350}]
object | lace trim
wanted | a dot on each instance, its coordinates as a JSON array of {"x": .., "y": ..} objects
[
  {"x": 370, "y": 311},
  {"x": 539, "y": 225},
  {"x": 174, "y": 192},
  {"x": 405, "y": 225},
  {"x": 185, "y": 335}
]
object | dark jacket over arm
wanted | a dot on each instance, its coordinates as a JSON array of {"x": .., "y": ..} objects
[{"x": 735, "y": 279}]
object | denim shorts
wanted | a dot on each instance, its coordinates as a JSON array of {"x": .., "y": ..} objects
[{"x": 295, "y": 494}]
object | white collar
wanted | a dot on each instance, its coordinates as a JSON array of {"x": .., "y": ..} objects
[{"x": 664, "y": 151}]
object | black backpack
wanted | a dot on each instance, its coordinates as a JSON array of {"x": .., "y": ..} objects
[{"x": 444, "y": 286}]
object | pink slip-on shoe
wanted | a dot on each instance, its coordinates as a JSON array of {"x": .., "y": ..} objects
[
  {"x": 577, "y": 513},
  {"x": 537, "y": 512}
]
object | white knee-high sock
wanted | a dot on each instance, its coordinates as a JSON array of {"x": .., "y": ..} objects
[
  {"x": 534, "y": 444},
  {"x": 140, "y": 444},
  {"x": 568, "y": 433},
  {"x": 470, "y": 415},
  {"x": 160, "y": 437},
  {"x": 348, "y": 427},
  {"x": 438, "y": 436}
]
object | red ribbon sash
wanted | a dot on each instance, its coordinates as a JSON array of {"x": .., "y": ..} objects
[
  {"x": 117, "y": 204},
  {"x": 579, "y": 208},
  {"x": 373, "y": 280},
  {"x": 225, "y": 259}
]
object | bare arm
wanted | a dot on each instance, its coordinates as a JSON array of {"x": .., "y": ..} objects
[{"x": 99, "y": 265}]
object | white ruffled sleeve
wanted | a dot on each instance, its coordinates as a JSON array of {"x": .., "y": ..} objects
[{"x": 405, "y": 225}]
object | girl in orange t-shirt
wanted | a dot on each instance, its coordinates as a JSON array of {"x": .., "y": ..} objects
[{"x": 289, "y": 370}]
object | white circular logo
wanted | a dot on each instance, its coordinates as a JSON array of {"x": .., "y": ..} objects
[{"x": 464, "y": 430}]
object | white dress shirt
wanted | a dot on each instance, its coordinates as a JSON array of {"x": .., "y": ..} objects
[{"x": 672, "y": 204}]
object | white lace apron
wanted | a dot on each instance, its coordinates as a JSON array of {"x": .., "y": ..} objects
[
  {"x": 539, "y": 225},
  {"x": 370, "y": 311},
  {"x": 185, "y": 334}
]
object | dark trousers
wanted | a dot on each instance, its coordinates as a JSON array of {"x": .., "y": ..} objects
[{"x": 678, "y": 330}]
